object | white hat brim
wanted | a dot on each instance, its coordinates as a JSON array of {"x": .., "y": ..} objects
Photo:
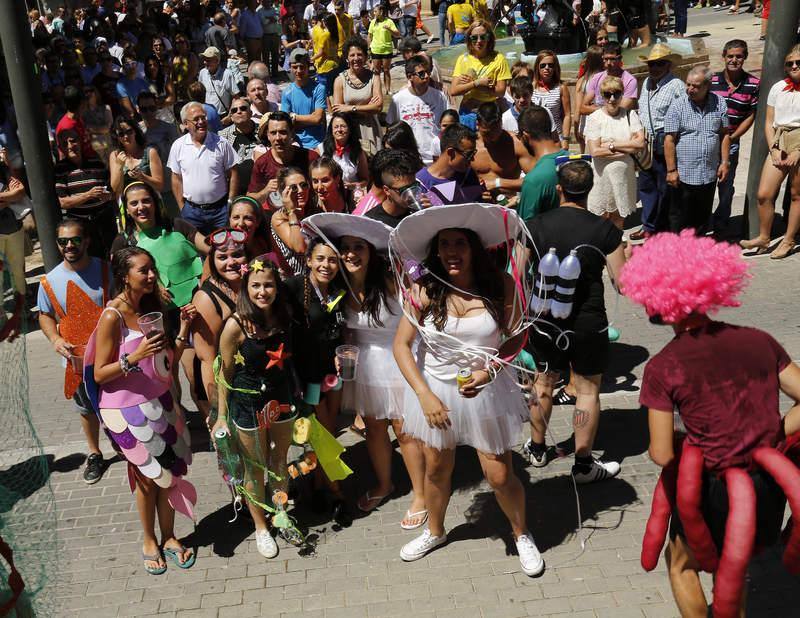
[
  {"x": 334, "y": 225},
  {"x": 493, "y": 224}
]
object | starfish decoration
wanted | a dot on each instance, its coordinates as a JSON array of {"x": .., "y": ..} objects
[
  {"x": 244, "y": 269},
  {"x": 238, "y": 359},
  {"x": 257, "y": 265},
  {"x": 276, "y": 357}
]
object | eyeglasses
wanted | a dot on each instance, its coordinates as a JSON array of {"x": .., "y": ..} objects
[
  {"x": 63, "y": 241},
  {"x": 469, "y": 155},
  {"x": 197, "y": 120},
  {"x": 420, "y": 74},
  {"x": 612, "y": 94},
  {"x": 219, "y": 238},
  {"x": 792, "y": 64},
  {"x": 300, "y": 186},
  {"x": 404, "y": 187},
  {"x": 547, "y": 65},
  {"x": 474, "y": 38},
  {"x": 243, "y": 108}
]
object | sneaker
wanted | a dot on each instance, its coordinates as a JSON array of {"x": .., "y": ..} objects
[
  {"x": 94, "y": 469},
  {"x": 266, "y": 545},
  {"x": 598, "y": 471},
  {"x": 529, "y": 557},
  {"x": 538, "y": 460},
  {"x": 421, "y": 546}
]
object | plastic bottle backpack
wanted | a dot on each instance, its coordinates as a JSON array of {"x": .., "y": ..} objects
[
  {"x": 568, "y": 274},
  {"x": 544, "y": 283}
]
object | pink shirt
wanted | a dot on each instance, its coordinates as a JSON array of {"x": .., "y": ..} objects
[
  {"x": 366, "y": 203},
  {"x": 629, "y": 84}
]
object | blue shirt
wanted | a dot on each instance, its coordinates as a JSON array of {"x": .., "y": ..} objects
[
  {"x": 654, "y": 104},
  {"x": 131, "y": 88},
  {"x": 304, "y": 101},
  {"x": 214, "y": 122},
  {"x": 90, "y": 280},
  {"x": 698, "y": 132}
]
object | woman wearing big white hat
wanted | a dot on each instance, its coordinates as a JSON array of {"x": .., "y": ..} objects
[
  {"x": 462, "y": 306},
  {"x": 372, "y": 314}
]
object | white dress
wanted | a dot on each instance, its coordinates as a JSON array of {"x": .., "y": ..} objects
[
  {"x": 378, "y": 389},
  {"x": 492, "y": 421},
  {"x": 614, "y": 177}
]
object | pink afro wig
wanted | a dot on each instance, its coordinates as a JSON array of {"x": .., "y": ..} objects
[{"x": 675, "y": 276}]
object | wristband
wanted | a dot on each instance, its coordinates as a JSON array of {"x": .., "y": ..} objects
[
  {"x": 128, "y": 367},
  {"x": 496, "y": 183}
]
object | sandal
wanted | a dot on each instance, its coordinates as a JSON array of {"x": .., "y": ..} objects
[
  {"x": 783, "y": 250},
  {"x": 378, "y": 500},
  {"x": 153, "y": 558},
  {"x": 173, "y": 553},
  {"x": 759, "y": 245},
  {"x": 563, "y": 398},
  {"x": 409, "y": 515},
  {"x": 360, "y": 431}
]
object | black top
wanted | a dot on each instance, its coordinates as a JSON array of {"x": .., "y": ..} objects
[
  {"x": 216, "y": 295},
  {"x": 316, "y": 335},
  {"x": 379, "y": 214},
  {"x": 565, "y": 228}
]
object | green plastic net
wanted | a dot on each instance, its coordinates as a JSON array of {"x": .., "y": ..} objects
[{"x": 27, "y": 503}]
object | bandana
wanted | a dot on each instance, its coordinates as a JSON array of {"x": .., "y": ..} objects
[{"x": 791, "y": 86}]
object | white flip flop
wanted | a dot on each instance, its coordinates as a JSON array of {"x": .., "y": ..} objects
[{"x": 409, "y": 515}]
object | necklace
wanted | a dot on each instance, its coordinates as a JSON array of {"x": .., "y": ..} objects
[{"x": 123, "y": 298}]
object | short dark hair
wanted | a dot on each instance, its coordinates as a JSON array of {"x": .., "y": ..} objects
[
  {"x": 197, "y": 92},
  {"x": 736, "y": 44},
  {"x": 414, "y": 62},
  {"x": 280, "y": 116},
  {"x": 393, "y": 163},
  {"x": 72, "y": 98},
  {"x": 612, "y": 48},
  {"x": 576, "y": 179},
  {"x": 355, "y": 41},
  {"x": 71, "y": 222},
  {"x": 489, "y": 113},
  {"x": 143, "y": 95},
  {"x": 535, "y": 121},
  {"x": 412, "y": 44},
  {"x": 520, "y": 86},
  {"x": 451, "y": 136}
]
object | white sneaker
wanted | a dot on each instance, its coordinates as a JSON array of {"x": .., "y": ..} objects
[
  {"x": 599, "y": 471},
  {"x": 529, "y": 557},
  {"x": 266, "y": 545},
  {"x": 422, "y": 545}
]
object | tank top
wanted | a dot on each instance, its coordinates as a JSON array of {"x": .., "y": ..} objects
[
  {"x": 551, "y": 100},
  {"x": 295, "y": 261},
  {"x": 216, "y": 295},
  {"x": 365, "y": 332},
  {"x": 356, "y": 95}
]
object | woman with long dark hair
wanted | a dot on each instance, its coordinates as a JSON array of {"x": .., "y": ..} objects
[
  {"x": 247, "y": 215},
  {"x": 287, "y": 239},
  {"x": 160, "y": 84},
  {"x": 260, "y": 325},
  {"x": 400, "y": 136},
  {"x": 330, "y": 194},
  {"x": 463, "y": 308},
  {"x": 343, "y": 145},
  {"x": 552, "y": 94},
  {"x": 131, "y": 159},
  {"x": 131, "y": 368}
]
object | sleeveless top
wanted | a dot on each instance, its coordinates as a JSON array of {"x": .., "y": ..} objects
[
  {"x": 366, "y": 333},
  {"x": 551, "y": 100},
  {"x": 138, "y": 386},
  {"x": 436, "y": 355},
  {"x": 296, "y": 262},
  {"x": 216, "y": 295},
  {"x": 143, "y": 165}
]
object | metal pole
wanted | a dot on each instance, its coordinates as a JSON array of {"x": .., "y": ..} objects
[
  {"x": 26, "y": 92},
  {"x": 781, "y": 32}
]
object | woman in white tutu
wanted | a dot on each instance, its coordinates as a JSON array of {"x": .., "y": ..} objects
[
  {"x": 373, "y": 314},
  {"x": 462, "y": 307}
]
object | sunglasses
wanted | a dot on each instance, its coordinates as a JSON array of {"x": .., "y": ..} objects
[
  {"x": 220, "y": 237},
  {"x": 613, "y": 94},
  {"x": 420, "y": 74},
  {"x": 469, "y": 155},
  {"x": 63, "y": 241},
  {"x": 404, "y": 187},
  {"x": 791, "y": 64},
  {"x": 474, "y": 38},
  {"x": 657, "y": 63},
  {"x": 243, "y": 108},
  {"x": 547, "y": 65},
  {"x": 124, "y": 132},
  {"x": 300, "y": 186}
]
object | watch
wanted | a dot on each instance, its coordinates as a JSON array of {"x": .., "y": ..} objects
[{"x": 353, "y": 109}]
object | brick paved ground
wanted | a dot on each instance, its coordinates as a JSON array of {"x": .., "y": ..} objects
[{"x": 357, "y": 571}]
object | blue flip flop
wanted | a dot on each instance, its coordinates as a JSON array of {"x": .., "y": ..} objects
[
  {"x": 153, "y": 558},
  {"x": 173, "y": 554}
]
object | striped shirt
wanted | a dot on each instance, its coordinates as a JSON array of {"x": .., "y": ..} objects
[
  {"x": 742, "y": 99},
  {"x": 551, "y": 101},
  {"x": 71, "y": 180}
]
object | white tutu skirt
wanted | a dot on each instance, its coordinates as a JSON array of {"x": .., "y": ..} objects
[
  {"x": 378, "y": 390},
  {"x": 491, "y": 422}
]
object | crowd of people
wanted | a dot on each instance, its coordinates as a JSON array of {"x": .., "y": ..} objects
[{"x": 241, "y": 170}]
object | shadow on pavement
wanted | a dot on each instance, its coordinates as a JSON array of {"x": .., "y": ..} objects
[
  {"x": 771, "y": 588},
  {"x": 623, "y": 359}
]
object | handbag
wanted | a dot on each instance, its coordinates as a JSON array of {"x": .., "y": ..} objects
[{"x": 644, "y": 158}]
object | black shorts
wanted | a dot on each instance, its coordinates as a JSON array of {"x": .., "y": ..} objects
[
  {"x": 382, "y": 56},
  {"x": 585, "y": 352},
  {"x": 770, "y": 505}
]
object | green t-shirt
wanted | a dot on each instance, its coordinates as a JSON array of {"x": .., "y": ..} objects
[{"x": 539, "y": 187}]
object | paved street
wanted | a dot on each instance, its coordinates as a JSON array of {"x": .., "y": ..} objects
[{"x": 357, "y": 571}]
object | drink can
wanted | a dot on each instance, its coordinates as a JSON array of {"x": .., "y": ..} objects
[
  {"x": 275, "y": 199},
  {"x": 463, "y": 376}
]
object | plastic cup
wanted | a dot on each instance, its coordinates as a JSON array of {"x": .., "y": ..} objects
[
  {"x": 151, "y": 324},
  {"x": 411, "y": 197},
  {"x": 348, "y": 362},
  {"x": 76, "y": 358}
]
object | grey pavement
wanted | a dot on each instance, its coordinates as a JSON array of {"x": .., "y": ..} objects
[{"x": 356, "y": 571}]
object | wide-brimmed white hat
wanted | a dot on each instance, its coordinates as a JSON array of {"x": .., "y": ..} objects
[
  {"x": 493, "y": 224},
  {"x": 334, "y": 225}
]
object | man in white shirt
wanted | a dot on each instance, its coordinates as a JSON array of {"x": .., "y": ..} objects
[
  {"x": 204, "y": 176},
  {"x": 408, "y": 23},
  {"x": 419, "y": 105},
  {"x": 311, "y": 10}
]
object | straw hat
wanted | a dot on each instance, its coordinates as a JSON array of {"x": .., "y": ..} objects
[
  {"x": 493, "y": 224},
  {"x": 334, "y": 225},
  {"x": 660, "y": 51}
]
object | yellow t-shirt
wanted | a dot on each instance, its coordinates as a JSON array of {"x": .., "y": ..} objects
[
  {"x": 381, "y": 33},
  {"x": 345, "y": 25},
  {"x": 321, "y": 40},
  {"x": 462, "y": 15},
  {"x": 495, "y": 69},
  {"x": 481, "y": 9}
]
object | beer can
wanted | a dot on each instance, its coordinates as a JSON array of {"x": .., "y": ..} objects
[{"x": 463, "y": 376}]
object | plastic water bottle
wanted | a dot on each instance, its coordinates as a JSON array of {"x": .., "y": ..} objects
[
  {"x": 544, "y": 283},
  {"x": 568, "y": 274}
]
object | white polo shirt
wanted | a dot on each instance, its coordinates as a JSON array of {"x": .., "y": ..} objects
[{"x": 202, "y": 169}]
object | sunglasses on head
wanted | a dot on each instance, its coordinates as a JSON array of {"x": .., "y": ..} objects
[
  {"x": 612, "y": 94},
  {"x": 474, "y": 38},
  {"x": 791, "y": 64},
  {"x": 63, "y": 241},
  {"x": 220, "y": 237}
]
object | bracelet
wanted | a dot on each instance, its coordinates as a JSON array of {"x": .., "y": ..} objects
[
  {"x": 181, "y": 338},
  {"x": 128, "y": 367},
  {"x": 496, "y": 183},
  {"x": 295, "y": 224},
  {"x": 671, "y": 171}
]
